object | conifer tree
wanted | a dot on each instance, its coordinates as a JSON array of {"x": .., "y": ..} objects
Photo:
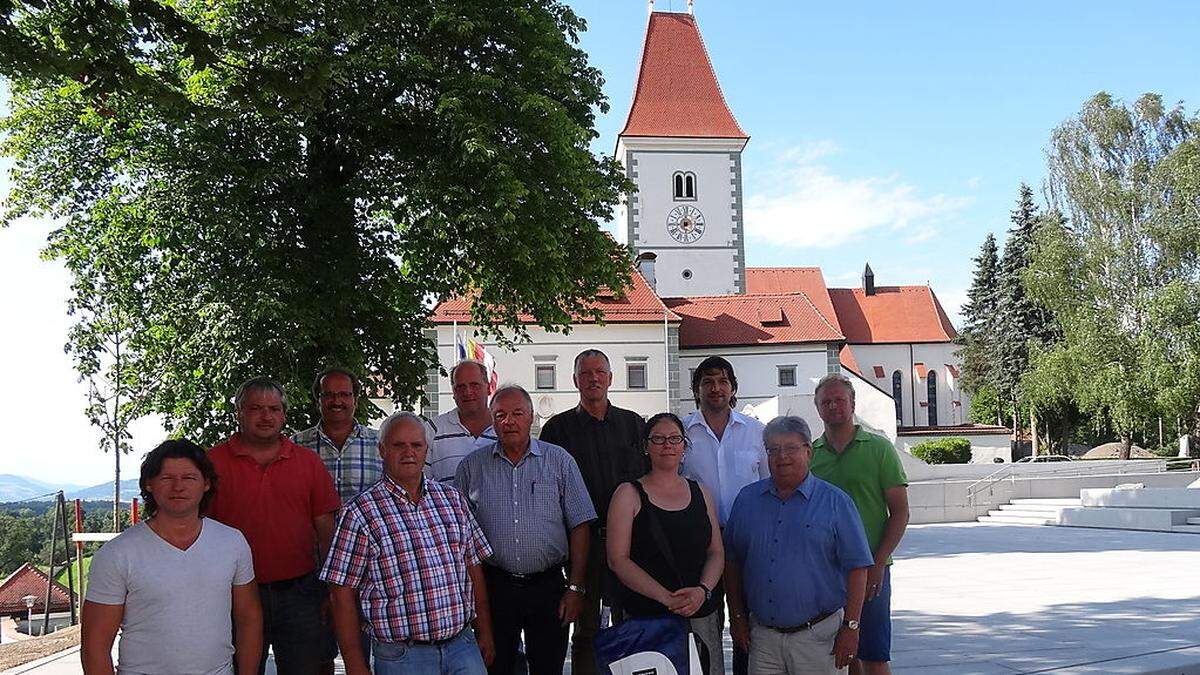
[{"x": 978, "y": 336}]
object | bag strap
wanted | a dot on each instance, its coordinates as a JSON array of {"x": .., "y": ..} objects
[{"x": 657, "y": 532}]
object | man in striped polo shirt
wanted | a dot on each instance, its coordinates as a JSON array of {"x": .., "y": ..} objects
[{"x": 464, "y": 429}]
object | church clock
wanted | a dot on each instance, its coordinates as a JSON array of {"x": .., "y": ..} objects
[{"x": 685, "y": 224}]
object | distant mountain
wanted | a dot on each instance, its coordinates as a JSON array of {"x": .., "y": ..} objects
[
  {"x": 16, "y": 488},
  {"x": 103, "y": 491}
]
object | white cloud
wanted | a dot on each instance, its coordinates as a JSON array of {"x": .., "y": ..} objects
[{"x": 800, "y": 202}]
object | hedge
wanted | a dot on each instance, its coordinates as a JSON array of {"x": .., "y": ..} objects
[{"x": 944, "y": 451}]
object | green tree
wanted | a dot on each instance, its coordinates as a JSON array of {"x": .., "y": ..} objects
[
  {"x": 1021, "y": 321},
  {"x": 978, "y": 337},
  {"x": 1122, "y": 279},
  {"x": 295, "y": 183}
]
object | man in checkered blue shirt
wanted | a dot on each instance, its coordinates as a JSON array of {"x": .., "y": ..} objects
[
  {"x": 533, "y": 506},
  {"x": 406, "y": 557},
  {"x": 350, "y": 450}
]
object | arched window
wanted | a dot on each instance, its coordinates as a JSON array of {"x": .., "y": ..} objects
[
  {"x": 683, "y": 185},
  {"x": 898, "y": 397},
  {"x": 931, "y": 392}
]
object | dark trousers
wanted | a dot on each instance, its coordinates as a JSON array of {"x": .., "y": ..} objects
[
  {"x": 583, "y": 648},
  {"x": 531, "y": 605},
  {"x": 292, "y": 625}
]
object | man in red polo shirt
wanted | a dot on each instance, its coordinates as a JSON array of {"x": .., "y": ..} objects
[{"x": 279, "y": 495}]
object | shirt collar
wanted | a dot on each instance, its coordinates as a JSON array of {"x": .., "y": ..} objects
[
  {"x": 805, "y": 487},
  {"x": 860, "y": 434},
  {"x": 697, "y": 418},
  {"x": 399, "y": 491},
  {"x": 535, "y": 448},
  {"x": 285, "y": 446},
  {"x": 582, "y": 412}
]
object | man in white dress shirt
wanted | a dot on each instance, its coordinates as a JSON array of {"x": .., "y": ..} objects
[{"x": 726, "y": 451}]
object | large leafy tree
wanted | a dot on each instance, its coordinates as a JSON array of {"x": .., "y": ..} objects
[
  {"x": 275, "y": 186},
  {"x": 1123, "y": 279}
]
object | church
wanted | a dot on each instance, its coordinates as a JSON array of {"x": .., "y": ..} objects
[{"x": 693, "y": 296}]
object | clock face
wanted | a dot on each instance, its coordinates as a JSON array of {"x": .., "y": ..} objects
[{"x": 685, "y": 224}]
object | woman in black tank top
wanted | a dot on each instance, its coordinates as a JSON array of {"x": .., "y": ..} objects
[{"x": 664, "y": 544}]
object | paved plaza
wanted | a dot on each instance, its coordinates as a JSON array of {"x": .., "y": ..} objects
[{"x": 976, "y": 598}]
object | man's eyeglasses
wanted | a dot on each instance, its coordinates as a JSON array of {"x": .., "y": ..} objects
[
  {"x": 785, "y": 449},
  {"x": 658, "y": 439}
]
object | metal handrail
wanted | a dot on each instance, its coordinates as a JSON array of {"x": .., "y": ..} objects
[{"x": 1071, "y": 469}]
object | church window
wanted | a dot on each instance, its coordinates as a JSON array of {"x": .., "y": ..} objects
[
  {"x": 787, "y": 376},
  {"x": 544, "y": 375},
  {"x": 636, "y": 375},
  {"x": 684, "y": 186},
  {"x": 898, "y": 397},
  {"x": 931, "y": 390}
]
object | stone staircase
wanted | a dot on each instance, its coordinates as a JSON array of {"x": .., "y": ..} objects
[{"x": 1029, "y": 512}]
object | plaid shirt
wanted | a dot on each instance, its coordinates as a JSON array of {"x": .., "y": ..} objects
[
  {"x": 408, "y": 560},
  {"x": 355, "y": 467}
]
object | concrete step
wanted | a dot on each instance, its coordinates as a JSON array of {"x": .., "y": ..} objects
[
  {"x": 1024, "y": 513},
  {"x": 1127, "y": 518},
  {"x": 1014, "y": 520},
  {"x": 1193, "y": 521},
  {"x": 1034, "y": 508},
  {"x": 1068, "y": 501},
  {"x": 1193, "y": 529}
]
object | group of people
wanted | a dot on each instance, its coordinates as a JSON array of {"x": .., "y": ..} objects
[{"x": 469, "y": 546}]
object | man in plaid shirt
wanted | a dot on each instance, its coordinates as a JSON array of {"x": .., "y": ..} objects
[
  {"x": 349, "y": 449},
  {"x": 407, "y": 555}
]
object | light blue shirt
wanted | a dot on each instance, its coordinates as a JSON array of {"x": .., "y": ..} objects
[
  {"x": 526, "y": 510},
  {"x": 795, "y": 553},
  {"x": 727, "y": 465}
]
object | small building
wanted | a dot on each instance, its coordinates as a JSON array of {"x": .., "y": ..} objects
[{"x": 28, "y": 580}]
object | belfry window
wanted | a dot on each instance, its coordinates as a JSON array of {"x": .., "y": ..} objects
[{"x": 684, "y": 186}]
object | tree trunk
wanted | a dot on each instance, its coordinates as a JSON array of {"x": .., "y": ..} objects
[
  {"x": 1033, "y": 433},
  {"x": 1126, "y": 445}
]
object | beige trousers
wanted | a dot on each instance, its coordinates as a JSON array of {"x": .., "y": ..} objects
[
  {"x": 708, "y": 629},
  {"x": 800, "y": 653}
]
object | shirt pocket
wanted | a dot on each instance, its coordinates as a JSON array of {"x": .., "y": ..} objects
[{"x": 746, "y": 465}]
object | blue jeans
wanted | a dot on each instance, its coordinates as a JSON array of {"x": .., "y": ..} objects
[
  {"x": 292, "y": 625},
  {"x": 459, "y": 656},
  {"x": 875, "y": 633}
]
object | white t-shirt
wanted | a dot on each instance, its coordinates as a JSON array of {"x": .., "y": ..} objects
[{"x": 177, "y": 603}]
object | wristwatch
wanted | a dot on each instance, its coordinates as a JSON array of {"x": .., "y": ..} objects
[
  {"x": 707, "y": 592},
  {"x": 576, "y": 588},
  {"x": 852, "y": 624}
]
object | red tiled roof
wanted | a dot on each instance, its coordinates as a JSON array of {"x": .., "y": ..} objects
[
  {"x": 640, "y": 305},
  {"x": 807, "y": 280},
  {"x": 893, "y": 314},
  {"x": 737, "y": 320},
  {"x": 846, "y": 356},
  {"x": 29, "y": 580},
  {"x": 677, "y": 93}
]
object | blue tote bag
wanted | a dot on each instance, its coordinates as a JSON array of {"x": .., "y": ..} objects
[{"x": 656, "y": 645}]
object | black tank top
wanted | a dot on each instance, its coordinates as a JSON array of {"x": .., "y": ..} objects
[{"x": 688, "y": 533}]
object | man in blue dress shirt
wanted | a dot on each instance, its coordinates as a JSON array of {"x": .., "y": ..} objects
[{"x": 796, "y": 561}]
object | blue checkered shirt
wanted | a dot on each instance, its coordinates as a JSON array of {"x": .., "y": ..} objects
[
  {"x": 355, "y": 467},
  {"x": 527, "y": 509}
]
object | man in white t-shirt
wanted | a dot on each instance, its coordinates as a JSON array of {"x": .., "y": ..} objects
[
  {"x": 464, "y": 429},
  {"x": 179, "y": 587}
]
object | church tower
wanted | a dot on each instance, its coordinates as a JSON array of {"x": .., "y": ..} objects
[{"x": 682, "y": 148}]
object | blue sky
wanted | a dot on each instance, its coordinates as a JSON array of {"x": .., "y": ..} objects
[
  {"x": 898, "y": 133},
  {"x": 889, "y": 133}
]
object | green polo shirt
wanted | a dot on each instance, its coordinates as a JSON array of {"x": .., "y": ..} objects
[{"x": 868, "y": 466}]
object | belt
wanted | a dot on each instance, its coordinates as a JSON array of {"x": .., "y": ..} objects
[
  {"x": 284, "y": 584},
  {"x": 553, "y": 572},
  {"x": 436, "y": 643},
  {"x": 804, "y": 626}
]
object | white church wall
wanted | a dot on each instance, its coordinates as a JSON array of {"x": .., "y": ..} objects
[
  {"x": 757, "y": 370},
  {"x": 903, "y": 357},
  {"x": 656, "y": 199},
  {"x": 624, "y": 344}
]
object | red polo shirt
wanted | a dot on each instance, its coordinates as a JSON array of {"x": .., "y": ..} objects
[{"x": 274, "y": 505}]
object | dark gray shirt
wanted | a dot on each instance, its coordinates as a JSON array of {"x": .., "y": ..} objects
[{"x": 526, "y": 510}]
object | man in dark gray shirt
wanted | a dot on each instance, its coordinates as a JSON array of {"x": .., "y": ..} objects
[
  {"x": 531, "y": 502},
  {"x": 605, "y": 441}
]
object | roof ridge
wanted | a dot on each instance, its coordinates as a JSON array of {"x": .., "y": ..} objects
[
  {"x": 742, "y": 296},
  {"x": 818, "y": 312}
]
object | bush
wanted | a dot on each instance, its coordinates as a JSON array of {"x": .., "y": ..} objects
[{"x": 944, "y": 451}]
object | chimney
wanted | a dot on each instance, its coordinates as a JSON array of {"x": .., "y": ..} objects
[
  {"x": 868, "y": 281},
  {"x": 645, "y": 265}
]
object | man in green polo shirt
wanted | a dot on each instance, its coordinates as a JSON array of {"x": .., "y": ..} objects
[{"x": 866, "y": 467}]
